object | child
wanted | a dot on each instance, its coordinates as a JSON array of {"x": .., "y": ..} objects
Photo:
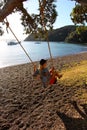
[{"x": 47, "y": 77}]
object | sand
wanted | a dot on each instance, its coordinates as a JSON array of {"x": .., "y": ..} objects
[{"x": 26, "y": 105}]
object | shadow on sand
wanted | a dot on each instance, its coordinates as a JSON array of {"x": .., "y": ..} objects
[{"x": 75, "y": 123}]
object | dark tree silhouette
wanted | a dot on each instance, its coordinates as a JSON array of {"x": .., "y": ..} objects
[
  {"x": 75, "y": 123},
  {"x": 32, "y": 23},
  {"x": 35, "y": 22}
]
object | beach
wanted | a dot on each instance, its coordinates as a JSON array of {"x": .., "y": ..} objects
[{"x": 26, "y": 105}]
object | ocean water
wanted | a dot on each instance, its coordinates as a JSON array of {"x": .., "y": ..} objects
[{"x": 14, "y": 55}]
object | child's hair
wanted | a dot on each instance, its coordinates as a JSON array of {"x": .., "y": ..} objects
[{"x": 43, "y": 61}]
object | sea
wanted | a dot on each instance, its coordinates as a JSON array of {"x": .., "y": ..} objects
[{"x": 14, "y": 55}]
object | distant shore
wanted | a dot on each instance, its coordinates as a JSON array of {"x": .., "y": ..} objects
[
  {"x": 66, "y": 34},
  {"x": 24, "y": 104}
]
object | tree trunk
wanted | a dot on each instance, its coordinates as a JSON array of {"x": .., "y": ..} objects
[{"x": 8, "y": 8}]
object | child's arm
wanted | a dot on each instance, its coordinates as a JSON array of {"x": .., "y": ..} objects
[
  {"x": 36, "y": 73},
  {"x": 53, "y": 72},
  {"x": 35, "y": 68}
]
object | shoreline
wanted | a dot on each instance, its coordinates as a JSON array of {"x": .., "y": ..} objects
[{"x": 54, "y": 58}]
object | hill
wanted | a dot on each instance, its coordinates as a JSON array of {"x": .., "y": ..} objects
[
  {"x": 59, "y": 34},
  {"x": 65, "y": 34}
]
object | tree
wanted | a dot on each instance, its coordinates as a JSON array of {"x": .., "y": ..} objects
[
  {"x": 79, "y": 17},
  {"x": 83, "y": 2},
  {"x": 8, "y": 6},
  {"x": 32, "y": 23},
  {"x": 79, "y": 14}
]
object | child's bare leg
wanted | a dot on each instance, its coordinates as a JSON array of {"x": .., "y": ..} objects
[{"x": 58, "y": 75}]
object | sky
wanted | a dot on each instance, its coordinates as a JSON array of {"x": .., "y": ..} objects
[{"x": 64, "y": 8}]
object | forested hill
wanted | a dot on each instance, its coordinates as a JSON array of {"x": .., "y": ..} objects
[
  {"x": 65, "y": 34},
  {"x": 61, "y": 33}
]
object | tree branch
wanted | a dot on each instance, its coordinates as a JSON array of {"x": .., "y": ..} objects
[
  {"x": 8, "y": 8},
  {"x": 12, "y": 4},
  {"x": 83, "y": 2}
]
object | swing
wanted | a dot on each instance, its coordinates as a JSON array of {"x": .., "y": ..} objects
[{"x": 54, "y": 74}]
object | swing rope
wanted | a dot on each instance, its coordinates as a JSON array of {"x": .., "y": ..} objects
[
  {"x": 42, "y": 19},
  {"x": 7, "y": 26},
  {"x": 50, "y": 51}
]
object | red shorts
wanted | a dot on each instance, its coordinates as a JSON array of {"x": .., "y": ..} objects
[{"x": 53, "y": 80}]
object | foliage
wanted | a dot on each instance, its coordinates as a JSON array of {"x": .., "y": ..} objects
[
  {"x": 81, "y": 29},
  {"x": 37, "y": 23},
  {"x": 78, "y": 36},
  {"x": 79, "y": 17},
  {"x": 70, "y": 37},
  {"x": 42, "y": 21},
  {"x": 79, "y": 14},
  {"x": 1, "y": 31}
]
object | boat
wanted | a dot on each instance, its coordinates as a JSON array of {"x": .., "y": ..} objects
[
  {"x": 37, "y": 42},
  {"x": 12, "y": 43}
]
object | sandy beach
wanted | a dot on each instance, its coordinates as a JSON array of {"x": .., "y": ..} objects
[{"x": 26, "y": 105}]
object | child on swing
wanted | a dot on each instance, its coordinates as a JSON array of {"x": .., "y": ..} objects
[{"x": 47, "y": 77}]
